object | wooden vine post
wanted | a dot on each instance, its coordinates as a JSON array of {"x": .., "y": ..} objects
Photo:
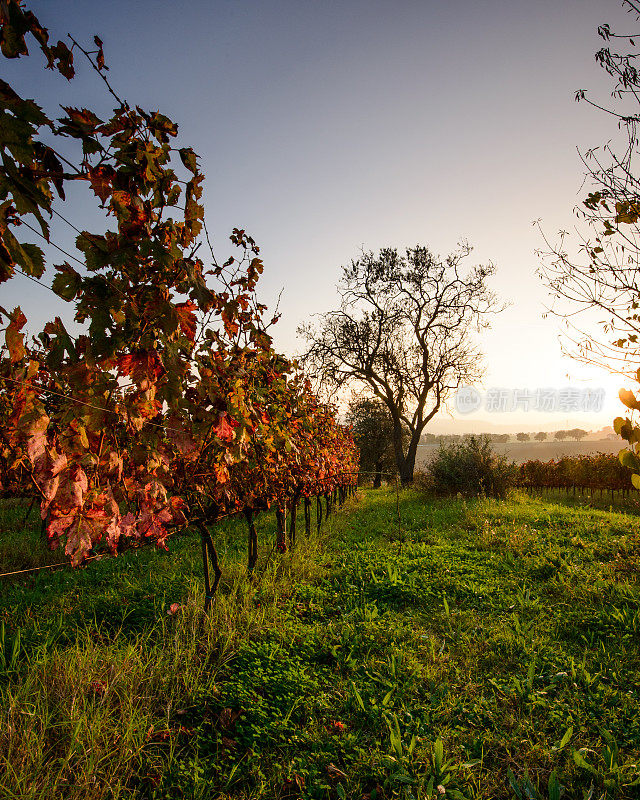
[
  {"x": 281, "y": 529},
  {"x": 307, "y": 517},
  {"x": 209, "y": 554},
  {"x": 292, "y": 521},
  {"x": 252, "y": 558}
]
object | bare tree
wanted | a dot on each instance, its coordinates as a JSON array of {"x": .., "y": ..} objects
[
  {"x": 404, "y": 330},
  {"x": 596, "y": 282}
]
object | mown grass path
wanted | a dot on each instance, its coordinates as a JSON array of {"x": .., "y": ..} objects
[{"x": 485, "y": 647}]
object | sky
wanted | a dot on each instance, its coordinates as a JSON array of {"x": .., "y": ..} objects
[{"x": 327, "y": 128}]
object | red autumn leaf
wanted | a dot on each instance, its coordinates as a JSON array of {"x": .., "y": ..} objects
[
  {"x": 100, "y": 54},
  {"x": 121, "y": 198},
  {"x": 98, "y": 687},
  {"x": 36, "y": 447},
  {"x": 73, "y": 486},
  {"x": 143, "y": 404},
  {"x": 187, "y": 318},
  {"x": 13, "y": 337},
  {"x": 34, "y": 429},
  {"x": 164, "y": 515},
  {"x": 61, "y": 53},
  {"x": 178, "y": 504},
  {"x": 221, "y": 473},
  {"x": 79, "y": 540},
  {"x": 150, "y": 526},
  {"x": 57, "y": 526},
  {"x": 101, "y": 178},
  {"x": 49, "y": 488},
  {"x": 58, "y": 462},
  {"x": 116, "y": 465},
  {"x": 82, "y": 118},
  {"x": 128, "y": 525},
  {"x": 112, "y": 534},
  {"x": 230, "y": 325},
  {"x": 155, "y": 494},
  {"x": 224, "y": 429},
  {"x": 183, "y": 441},
  {"x": 142, "y": 365}
]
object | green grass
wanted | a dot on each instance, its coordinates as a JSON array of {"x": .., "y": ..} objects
[{"x": 489, "y": 648}]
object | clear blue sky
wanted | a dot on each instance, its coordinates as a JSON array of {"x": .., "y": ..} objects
[{"x": 324, "y": 127}]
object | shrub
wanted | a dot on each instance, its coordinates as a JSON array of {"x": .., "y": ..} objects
[
  {"x": 422, "y": 480},
  {"x": 471, "y": 467}
]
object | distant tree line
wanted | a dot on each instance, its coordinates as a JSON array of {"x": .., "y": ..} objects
[
  {"x": 452, "y": 438},
  {"x": 576, "y": 434}
]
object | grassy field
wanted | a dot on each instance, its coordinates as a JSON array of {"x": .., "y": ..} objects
[{"x": 485, "y": 649}]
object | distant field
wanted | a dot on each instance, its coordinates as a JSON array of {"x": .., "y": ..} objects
[{"x": 544, "y": 451}]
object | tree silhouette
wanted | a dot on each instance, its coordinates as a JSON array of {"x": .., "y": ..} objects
[{"x": 403, "y": 329}]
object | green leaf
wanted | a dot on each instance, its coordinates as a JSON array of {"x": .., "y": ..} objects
[
  {"x": 578, "y": 758},
  {"x": 29, "y": 257},
  {"x": 618, "y": 424},
  {"x": 438, "y": 754},
  {"x": 554, "y": 787},
  {"x": 188, "y": 158},
  {"x": 67, "y": 282},
  {"x": 358, "y": 696},
  {"x": 95, "y": 250},
  {"x": 565, "y": 739},
  {"x": 629, "y": 459},
  {"x": 395, "y": 736},
  {"x": 34, "y": 260},
  {"x": 16, "y": 135},
  {"x": 174, "y": 195},
  {"x": 514, "y": 784},
  {"x": 629, "y": 399},
  {"x": 531, "y": 672},
  {"x": 82, "y": 436}
]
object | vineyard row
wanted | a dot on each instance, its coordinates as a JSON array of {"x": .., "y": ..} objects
[{"x": 599, "y": 472}]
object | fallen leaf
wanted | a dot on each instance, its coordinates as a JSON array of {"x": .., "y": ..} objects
[{"x": 334, "y": 772}]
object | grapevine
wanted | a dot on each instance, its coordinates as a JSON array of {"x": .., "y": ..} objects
[{"x": 171, "y": 408}]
